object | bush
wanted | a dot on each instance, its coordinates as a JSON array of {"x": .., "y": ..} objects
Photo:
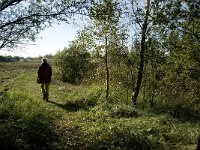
[
  {"x": 124, "y": 111},
  {"x": 72, "y": 63},
  {"x": 84, "y": 98}
]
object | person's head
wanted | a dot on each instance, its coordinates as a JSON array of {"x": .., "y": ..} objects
[{"x": 44, "y": 60}]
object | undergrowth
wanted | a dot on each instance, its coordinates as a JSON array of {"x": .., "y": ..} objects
[{"x": 81, "y": 118}]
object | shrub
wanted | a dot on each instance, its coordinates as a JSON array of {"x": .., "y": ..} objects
[
  {"x": 84, "y": 98},
  {"x": 124, "y": 111},
  {"x": 72, "y": 63}
]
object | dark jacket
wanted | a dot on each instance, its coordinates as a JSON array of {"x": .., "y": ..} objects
[{"x": 44, "y": 73}]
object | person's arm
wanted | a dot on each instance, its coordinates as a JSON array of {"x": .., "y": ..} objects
[{"x": 39, "y": 71}]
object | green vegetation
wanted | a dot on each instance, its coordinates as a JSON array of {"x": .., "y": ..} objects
[
  {"x": 73, "y": 63},
  {"x": 79, "y": 117},
  {"x": 134, "y": 71},
  {"x": 10, "y": 58}
]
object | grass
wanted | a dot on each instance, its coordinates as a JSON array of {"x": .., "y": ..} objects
[{"x": 79, "y": 117}]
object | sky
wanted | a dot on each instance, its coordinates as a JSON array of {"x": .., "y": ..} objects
[{"x": 49, "y": 41}]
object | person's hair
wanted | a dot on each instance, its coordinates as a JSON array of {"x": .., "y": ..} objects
[{"x": 44, "y": 60}]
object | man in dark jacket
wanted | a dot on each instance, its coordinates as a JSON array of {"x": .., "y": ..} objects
[{"x": 44, "y": 78}]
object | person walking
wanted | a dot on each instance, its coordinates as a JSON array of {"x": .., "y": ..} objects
[{"x": 44, "y": 78}]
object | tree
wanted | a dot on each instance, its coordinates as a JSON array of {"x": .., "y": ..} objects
[
  {"x": 73, "y": 63},
  {"x": 105, "y": 16},
  {"x": 175, "y": 34},
  {"x": 22, "y": 20},
  {"x": 142, "y": 53}
]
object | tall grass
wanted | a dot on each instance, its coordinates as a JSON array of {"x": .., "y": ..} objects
[{"x": 25, "y": 123}]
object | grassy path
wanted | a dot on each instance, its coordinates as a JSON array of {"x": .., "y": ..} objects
[{"x": 74, "y": 119}]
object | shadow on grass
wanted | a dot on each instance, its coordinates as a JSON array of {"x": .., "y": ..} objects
[
  {"x": 24, "y": 126},
  {"x": 71, "y": 107},
  {"x": 35, "y": 132}
]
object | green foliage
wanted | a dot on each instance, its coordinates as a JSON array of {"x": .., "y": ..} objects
[
  {"x": 91, "y": 122},
  {"x": 107, "y": 11},
  {"x": 116, "y": 135},
  {"x": 25, "y": 126},
  {"x": 79, "y": 117},
  {"x": 174, "y": 81},
  {"x": 124, "y": 111},
  {"x": 84, "y": 98},
  {"x": 10, "y": 58},
  {"x": 73, "y": 63},
  {"x": 21, "y": 21}
]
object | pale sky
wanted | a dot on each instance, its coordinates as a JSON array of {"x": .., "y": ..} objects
[{"x": 50, "y": 40}]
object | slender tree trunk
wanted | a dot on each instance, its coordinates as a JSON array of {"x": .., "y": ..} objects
[
  {"x": 142, "y": 54},
  {"x": 153, "y": 83},
  {"x": 132, "y": 79},
  {"x": 144, "y": 90},
  {"x": 107, "y": 69}
]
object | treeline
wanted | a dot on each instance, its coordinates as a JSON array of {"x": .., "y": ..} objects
[
  {"x": 24, "y": 59},
  {"x": 159, "y": 69},
  {"x": 10, "y": 58}
]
